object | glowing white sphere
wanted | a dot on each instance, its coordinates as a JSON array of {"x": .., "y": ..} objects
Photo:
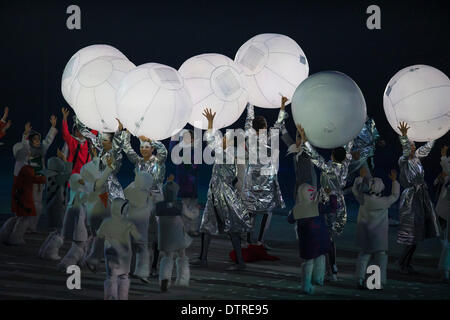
[
  {"x": 82, "y": 56},
  {"x": 330, "y": 107},
  {"x": 274, "y": 65},
  {"x": 420, "y": 96},
  {"x": 93, "y": 92},
  {"x": 152, "y": 101},
  {"x": 214, "y": 81}
]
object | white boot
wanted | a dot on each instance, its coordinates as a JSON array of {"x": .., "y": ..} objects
[
  {"x": 45, "y": 244},
  {"x": 7, "y": 228},
  {"x": 95, "y": 254},
  {"x": 165, "y": 270},
  {"x": 21, "y": 226},
  {"x": 306, "y": 273},
  {"x": 183, "y": 272},
  {"x": 73, "y": 256},
  {"x": 51, "y": 251},
  {"x": 381, "y": 259},
  {"x": 361, "y": 269},
  {"x": 142, "y": 268},
  {"x": 111, "y": 289},
  {"x": 123, "y": 288},
  {"x": 318, "y": 274}
]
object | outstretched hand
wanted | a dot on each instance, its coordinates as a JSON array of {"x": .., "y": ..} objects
[
  {"x": 209, "y": 115},
  {"x": 27, "y": 127},
  {"x": 393, "y": 175},
  {"x": 403, "y": 127},
  {"x": 170, "y": 178},
  {"x": 363, "y": 172},
  {"x": 283, "y": 102},
  {"x": 120, "y": 124},
  {"x": 7, "y": 125},
  {"x": 145, "y": 139},
  {"x": 53, "y": 120},
  {"x": 65, "y": 113},
  {"x": 5, "y": 114}
]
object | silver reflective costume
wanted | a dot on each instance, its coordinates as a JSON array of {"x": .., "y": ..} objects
[
  {"x": 113, "y": 185},
  {"x": 416, "y": 213},
  {"x": 260, "y": 190},
  {"x": 155, "y": 165},
  {"x": 334, "y": 177},
  {"x": 224, "y": 210},
  {"x": 365, "y": 143}
]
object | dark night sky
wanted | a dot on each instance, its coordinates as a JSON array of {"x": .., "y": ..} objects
[{"x": 36, "y": 45}]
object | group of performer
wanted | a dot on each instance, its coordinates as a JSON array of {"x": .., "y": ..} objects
[{"x": 79, "y": 192}]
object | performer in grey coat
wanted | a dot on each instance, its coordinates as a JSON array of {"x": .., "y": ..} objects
[
  {"x": 416, "y": 213},
  {"x": 224, "y": 211}
]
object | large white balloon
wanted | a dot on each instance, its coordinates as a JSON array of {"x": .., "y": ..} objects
[
  {"x": 330, "y": 107},
  {"x": 152, "y": 101},
  {"x": 420, "y": 96},
  {"x": 214, "y": 81},
  {"x": 81, "y": 57},
  {"x": 274, "y": 65},
  {"x": 93, "y": 92}
]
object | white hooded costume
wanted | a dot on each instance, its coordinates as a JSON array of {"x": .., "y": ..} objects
[
  {"x": 373, "y": 223},
  {"x": 117, "y": 232},
  {"x": 140, "y": 206}
]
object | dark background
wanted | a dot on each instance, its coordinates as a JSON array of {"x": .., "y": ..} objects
[{"x": 36, "y": 45}]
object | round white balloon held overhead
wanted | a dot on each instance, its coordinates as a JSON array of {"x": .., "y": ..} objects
[
  {"x": 330, "y": 107},
  {"x": 214, "y": 81},
  {"x": 274, "y": 65},
  {"x": 81, "y": 57},
  {"x": 152, "y": 101},
  {"x": 93, "y": 92},
  {"x": 420, "y": 96}
]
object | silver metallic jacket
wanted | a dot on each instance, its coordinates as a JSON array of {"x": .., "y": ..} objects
[
  {"x": 261, "y": 192},
  {"x": 223, "y": 201},
  {"x": 334, "y": 177},
  {"x": 365, "y": 143},
  {"x": 416, "y": 212},
  {"x": 155, "y": 165},
  {"x": 113, "y": 185}
]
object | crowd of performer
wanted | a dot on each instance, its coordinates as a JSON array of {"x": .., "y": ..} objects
[{"x": 143, "y": 230}]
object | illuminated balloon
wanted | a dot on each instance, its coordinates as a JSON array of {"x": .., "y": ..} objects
[
  {"x": 93, "y": 92},
  {"x": 81, "y": 57},
  {"x": 274, "y": 65},
  {"x": 214, "y": 81},
  {"x": 420, "y": 96},
  {"x": 330, "y": 107},
  {"x": 152, "y": 101}
]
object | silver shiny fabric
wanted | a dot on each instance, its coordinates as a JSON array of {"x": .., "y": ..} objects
[
  {"x": 224, "y": 210},
  {"x": 416, "y": 213},
  {"x": 114, "y": 187},
  {"x": 261, "y": 191},
  {"x": 334, "y": 177},
  {"x": 155, "y": 165},
  {"x": 365, "y": 143}
]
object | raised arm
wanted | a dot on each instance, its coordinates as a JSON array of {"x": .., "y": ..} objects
[
  {"x": 65, "y": 128},
  {"x": 50, "y": 137},
  {"x": 125, "y": 137},
  {"x": 385, "y": 202},
  {"x": 282, "y": 115},
  {"x": 250, "y": 117},
  {"x": 88, "y": 134},
  {"x": 105, "y": 174},
  {"x": 161, "y": 151},
  {"x": 425, "y": 150}
]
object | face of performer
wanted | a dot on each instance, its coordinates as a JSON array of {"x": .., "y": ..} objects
[
  {"x": 78, "y": 134},
  {"x": 107, "y": 143},
  {"x": 146, "y": 151},
  {"x": 36, "y": 141}
]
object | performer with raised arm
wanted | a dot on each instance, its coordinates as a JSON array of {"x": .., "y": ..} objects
[
  {"x": 4, "y": 124},
  {"x": 261, "y": 191},
  {"x": 224, "y": 211},
  {"x": 333, "y": 178},
  {"x": 153, "y": 164},
  {"x": 416, "y": 213}
]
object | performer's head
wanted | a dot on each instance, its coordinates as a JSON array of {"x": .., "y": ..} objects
[
  {"x": 259, "y": 123},
  {"x": 35, "y": 139},
  {"x": 338, "y": 155},
  {"x": 106, "y": 139},
  {"x": 77, "y": 133},
  {"x": 146, "y": 149}
]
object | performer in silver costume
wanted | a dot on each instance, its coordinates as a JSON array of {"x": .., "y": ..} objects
[
  {"x": 332, "y": 180},
  {"x": 260, "y": 191},
  {"x": 224, "y": 211},
  {"x": 417, "y": 216},
  {"x": 155, "y": 165}
]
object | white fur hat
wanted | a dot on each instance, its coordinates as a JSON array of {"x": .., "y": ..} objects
[
  {"x": 118, "y": 206},
  {"x": 21, "y": 152},
  {"x": 90, "y": 172},
  {"x": 376, "y": 185}
]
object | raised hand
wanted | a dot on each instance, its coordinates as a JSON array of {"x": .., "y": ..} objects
[
  {"x": 53, "y": 120},
  {"x": 302, "y": 133},
  {"x": 94, "y": 151},
  {"x": 27, "y": 127},
  {"x": 283, "y": 102},
  {"x": 120, "y": 124},
  {"x": 362, "y": 172},
  {"x": 207, "y": 113},
  {"x": 109, "y": 162},
  {"x": 144, "y": 138},
  {"x": 403, "y": 127},
  {"x": 393, "y": 175},
  {"x": 5, "y": 114},
  {"x": 65, "y": 113},
  {"x": 170, "y": 178},
  {"x": 7, "y": 126},
  {"x": 444, "y": 151}
]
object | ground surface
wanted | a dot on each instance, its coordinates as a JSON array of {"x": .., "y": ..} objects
[{"x": 24, "y": 276}]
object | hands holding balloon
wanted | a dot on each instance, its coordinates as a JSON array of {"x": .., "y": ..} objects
[{"x": 207, "y": 113}]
